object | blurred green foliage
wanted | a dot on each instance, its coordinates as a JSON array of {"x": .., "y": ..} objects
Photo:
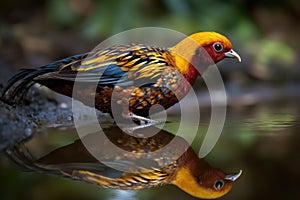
[
  {"x": 264, "y": 32},
  {"x": 106, "y": 17}
]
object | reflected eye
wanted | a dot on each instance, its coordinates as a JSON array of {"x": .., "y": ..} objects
[
  {"x": 219, "y": 184},
  {"x": 218, "y": 47}
]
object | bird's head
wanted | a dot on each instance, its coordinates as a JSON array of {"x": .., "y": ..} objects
[
  {"x": 201, "y": 50},
  {"x": 208, "y": 184},
  {"x": 199, "y": 179},
  {"x": 216, "y": 46}
]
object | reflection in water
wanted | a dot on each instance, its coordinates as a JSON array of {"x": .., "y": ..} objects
[
  {"x": 263, "y": 140},
  {"x": 143, "y": 162},
  {"x": 275, "y": 122},
  {"x": 123, "y": 194}
]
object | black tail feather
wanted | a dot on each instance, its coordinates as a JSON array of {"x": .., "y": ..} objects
[
  {"x": 13, "y": 80},
  {"x": 20, "y": 90},
  {"x": 21, "y": 82},
  {"x": 24, "y": 79},
  {"x": 20, "y": 155}
]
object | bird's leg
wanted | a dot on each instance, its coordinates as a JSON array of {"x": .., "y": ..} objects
[{"x": 142, "y": 122}]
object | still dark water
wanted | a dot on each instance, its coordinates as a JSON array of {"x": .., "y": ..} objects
[{"x": 262, "y": 140}]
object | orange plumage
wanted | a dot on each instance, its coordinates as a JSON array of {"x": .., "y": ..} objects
[
  {"x": 141, "y": 76},
  {"x": 146, "y": 162}
]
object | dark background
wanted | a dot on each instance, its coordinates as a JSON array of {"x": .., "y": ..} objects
[{"x": 261, "y": 131}]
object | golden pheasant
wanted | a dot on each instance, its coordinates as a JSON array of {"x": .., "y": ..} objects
[
  {"x": 121, "y": 161},
  {"x": 140, "y": 75}
]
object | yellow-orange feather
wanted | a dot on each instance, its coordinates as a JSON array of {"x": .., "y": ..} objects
[{"x": 185, "y": 49}]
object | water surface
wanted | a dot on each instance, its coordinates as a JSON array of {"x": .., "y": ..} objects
[{"x": 262, "y": 140}]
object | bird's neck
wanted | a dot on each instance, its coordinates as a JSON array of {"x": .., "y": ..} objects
[
  {"x": 191, "y": 74},
  {"x": 186, "y": 176},
  {"x": 186, "y": 61},
  {"x": 184, "y": 67},
  {"x": 193, "y": 162}
]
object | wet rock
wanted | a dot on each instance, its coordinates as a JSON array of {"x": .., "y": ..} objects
[{"x": 30, "y": 115}]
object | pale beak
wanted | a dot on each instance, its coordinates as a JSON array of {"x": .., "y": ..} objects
[
  {"x": 233, "y": 54},
  {"x": 233, "y": 177}
]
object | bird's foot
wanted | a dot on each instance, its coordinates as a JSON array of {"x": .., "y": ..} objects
[
  {"x": 142, "y": 122},
  {"x": 139, "y": 120}
]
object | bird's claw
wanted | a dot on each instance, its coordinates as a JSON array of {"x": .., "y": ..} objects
[{"x": 142, "y": 122}]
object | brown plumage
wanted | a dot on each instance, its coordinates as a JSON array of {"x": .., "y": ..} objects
[
  {"x": 133, "y": 163},
  {"x": 140, "y": 75}
]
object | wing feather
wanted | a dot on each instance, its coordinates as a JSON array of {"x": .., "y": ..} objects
[{"x": 120, "y": 65}]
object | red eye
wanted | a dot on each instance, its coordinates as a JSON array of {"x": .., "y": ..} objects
[{"x": 218, "y": 47}]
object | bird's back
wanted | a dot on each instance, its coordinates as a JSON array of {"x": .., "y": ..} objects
[{"x": 137, "y": 71}]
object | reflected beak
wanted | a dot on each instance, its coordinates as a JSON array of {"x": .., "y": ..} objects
[
  {"x": 233, "y": 54},
  {"x": 233, "y": 177}
]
